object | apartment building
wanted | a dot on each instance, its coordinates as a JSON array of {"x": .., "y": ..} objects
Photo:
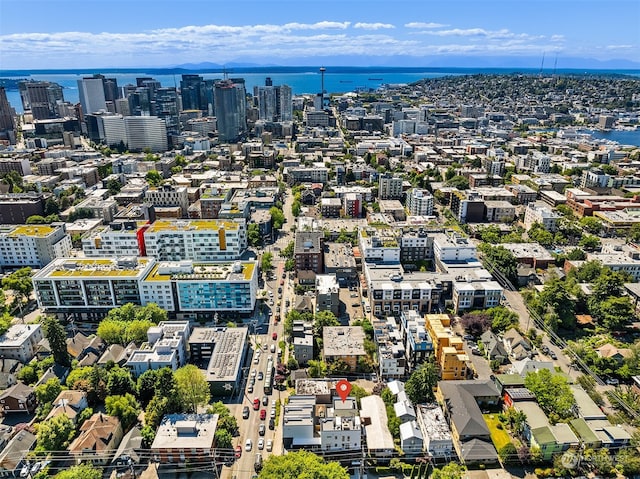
[
  {"x": 477, "y": 292},
  {"x": 33, "y": 245},
  {"x": 166, "y": 346},
  {"x": 389, "y": 187},
  {"x": 184, "y": 438},
  {"x": 87, "y": 288},
  {"x": 169, "y": 196},
  {"x": 452, "y": 248},
  {"x": 379, "y": 245},
  {"x": 539, "y": 212},
  {"x": 417, "y": 342},
  {"x": 20, "y": 342},
  {"x": 448, "y": 348},
  {"x": 419, "y": 202},
  {"x": 308, "y": 251},
  {"x": 391, "y": 349},
  {"x": 343, "y": 343},
  {"x": 327, "y": 293}
]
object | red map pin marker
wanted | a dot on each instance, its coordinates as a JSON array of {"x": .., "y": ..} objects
[{"x": 344, "y": 388}]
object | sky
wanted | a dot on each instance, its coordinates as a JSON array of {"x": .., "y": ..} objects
[{"x": 66, "y": 34}]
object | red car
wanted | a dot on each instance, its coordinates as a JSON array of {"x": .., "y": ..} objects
[
  {"x": 263, "y": 414},
  {"x": 238, "y": 450},
  {"x": 274, "y": 336},
  {"x": 256, "y": 404}
]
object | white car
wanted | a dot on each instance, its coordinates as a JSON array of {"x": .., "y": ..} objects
[
  {"x": 269, "y": 445},
  {"x": 261, "y": 444},
  {"x": 248, "y": 445}
]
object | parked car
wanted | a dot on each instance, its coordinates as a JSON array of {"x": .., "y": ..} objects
[
  {"x": 274, "y": 336},
  {"x": 248, "y": 445},
  {"x": 245, "y": 412},
  {"x": 612, "y": 382},
  {"x": 265, "y": 400},
  {"x": 256, "y": 404},
  {"x": 553, "y": 355},
  {"x": 263, "y": 414},
  {"x": 272, "y": 424},
  {"x": 238, "y": 451},
  {"x": 261, "y": 429},
  {"x": 269, "y": 445},
  {"x": 261, "y": 444}
]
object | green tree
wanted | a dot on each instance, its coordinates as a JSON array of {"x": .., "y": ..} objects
[
  {"x": 224, "y": 439},
  {"x": 47, "y": 392},
  {"x": 290, "y": 264},
  {"x": 616, "y": 312},
  {"x": 20, "y": 283},
  {"x": 600, "y": 461},
  {"x": 120, "y": 382},
  {"x": 114, "y": 186},
  {"x": 557, "y": 297},
  {"x": 296, "y": 208},
  {"x": 589, "y": 242},
  {"x": 125, "y": 408},
  {"x": 322, "y": 319},
  {"x": 192, "y": 387},
  {"x": 459, "y": 182},
  {"x": 55, "y": 434},
  {"x": 301, "y": 465},
  {"x": 253, "y": 234},
  {"x": 80, "y": 471},
  {"x": 154, "y": 178},
  {"x": 287, "y": 251},
  {"x": 55, "y": 334},
  {"x": 628, "y": 462},
  {"x": 419, "y": 386},
  {"x": 502, "y": 318},
  {"x": 539, "y": 234},
  {"x": 453, "y": 470},
  {"x": 552, "y": 393},
  {"x": 591, "y": 224},
  {"x": 498, "y": 258},
  {"x": 508, "y": 453},
  {"x": 36, "y": 220},
  {"x": 267, "y": 261},
  {"x": 316, "y": 369},
  {"x": 277, "y": 217}
]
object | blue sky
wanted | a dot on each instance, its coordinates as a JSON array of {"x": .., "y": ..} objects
[{"x": 36, "y": 34}]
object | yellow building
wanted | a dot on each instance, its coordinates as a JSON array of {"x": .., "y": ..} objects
[{"x": 448, "y": 348}]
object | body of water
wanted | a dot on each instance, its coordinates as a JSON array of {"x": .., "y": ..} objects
[{"x": 624, "y": 137}]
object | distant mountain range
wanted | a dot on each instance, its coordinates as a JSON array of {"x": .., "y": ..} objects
[{"x": 370, "y": 62}]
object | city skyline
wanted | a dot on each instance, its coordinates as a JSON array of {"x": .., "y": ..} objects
[{"x": 97, "y": 34}]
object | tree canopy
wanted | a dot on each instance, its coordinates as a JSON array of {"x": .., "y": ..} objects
[
  {"x": 552, "y": 393},
  {"x": 419, "y": 386},
  {"x": 55, "y": 334},
  {"x": 192, "y": 387},
  {"x": 80, "y": 471},
  {"x": 301, "y": 465}
]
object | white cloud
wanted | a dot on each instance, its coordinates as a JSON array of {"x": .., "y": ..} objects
[
  {"x": 425, "y": 25},
  {"x": 373, "y": 26},
  {"x": 619, "y": 47}
]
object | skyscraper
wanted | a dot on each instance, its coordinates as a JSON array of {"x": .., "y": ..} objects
[
  {"x": 230, "y": 109},
  {"x": 91, "y": 93},
  {"x": 41, "y": 98},
  {"x": 7, "y": 122},
  {"x": 197, "y": 93},
  {"x": 274, "y": 102}
]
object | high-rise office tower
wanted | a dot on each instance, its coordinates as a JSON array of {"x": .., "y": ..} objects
[
  {"x": 91, "y": 93},
  {"x": 146, "y": 132},
  {"x": 41, "y": 98},
  {"x": 7, "y": 122},
  {"x": 231, "y": 109},
  {"x": 165, "y": 106}
]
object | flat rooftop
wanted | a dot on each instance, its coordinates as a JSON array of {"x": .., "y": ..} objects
[
  {"x": 161, "y": 225},
  {"x": 123, "y": 267},
  {"x": 343, "y": 341},
  {"x": 186, "y": 431},
  {"x": 36, "y": 231},
  {"x": 188, "y": 270}
]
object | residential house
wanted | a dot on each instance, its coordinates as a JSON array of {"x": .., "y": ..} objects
[
  {"x": 610, "y": 351},
  {"x": 302, "y": 342},
  {"x": 117, "y": 354},
  {"x": 70, "y": 403},
  {"x": 411, "y": 440},
  {"x": 461, "y": 402},
  {"x": 130, "y": 450},
  {"x": 8, "y": 370},
  {"x": 185, "y": 437},
  {"x": 18, "y": 398},
  {"x": 81, "y": 345},
  {"x": 528, "y": 365},
  {"x": 20, "y": 342},
  {"x": 99, "y": 435},
  {"x": 15, "y": 454},
  {"x": 404, "y": 410},
  {"x": 516, "y": 345},
  {"x": 493, "y": 347}
]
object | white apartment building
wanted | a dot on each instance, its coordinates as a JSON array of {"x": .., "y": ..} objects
[
  {"x": 379, "y": 246},
  {"x": 119, "y": 238},
  {"x": 20, "y": 342},
  {"x": 33, "y": 245},
  {"x": 340, "y": 429},
  {"x": 87, "y": 288},
  {"x": 419, "y": 202},
  {"x": 197, "y": 240},
  {"x": 469, "y": 293},
  {"x": 539, "y": 212},
  {"x": 166, "y": 347},
  {"x": 451, "y": 247}
]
